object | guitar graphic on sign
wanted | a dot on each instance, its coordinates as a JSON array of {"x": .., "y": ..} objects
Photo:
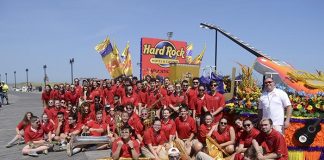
[
  {"x": 305, "y": 136},
  {"x": 265, "y": 63}
]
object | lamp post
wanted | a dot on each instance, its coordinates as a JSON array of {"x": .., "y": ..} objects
[
  {"x": 15, "y": 79},
  {"x": 71, "y": 62},
  {"x": 6, "y": 78},
  {"x": 45, "y": 77},
  {"x": 27, "y": 76},
  {"x": 206, "y": 26}
]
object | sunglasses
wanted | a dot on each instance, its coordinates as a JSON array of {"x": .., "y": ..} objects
[
  {"x": 201, "y": 90},
  {"x": 268, "y": 82},
  {"x": 185, "y": 85},
  {"x": 144, "y": 114},
  {"x": 246, "y": 125},
  {"x": 223, "y": 123},
  {"x": 195, "y": 82},
  {"x": 213, "y": 85}
]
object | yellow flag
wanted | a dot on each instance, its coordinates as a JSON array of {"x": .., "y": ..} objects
[
  {"x": 199, "y": 58},
  {"x": 127, "y": 64}
]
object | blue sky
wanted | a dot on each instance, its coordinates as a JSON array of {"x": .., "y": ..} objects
[{"x": 38, "y": 32}]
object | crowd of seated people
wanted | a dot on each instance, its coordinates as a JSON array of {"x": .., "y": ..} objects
[{"x": 146, "y": 118}]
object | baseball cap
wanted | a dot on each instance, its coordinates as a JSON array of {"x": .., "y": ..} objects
[{"x": 173, "y": 151}]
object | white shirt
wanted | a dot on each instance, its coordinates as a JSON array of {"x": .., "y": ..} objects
[{"x": 273, "y": 104}]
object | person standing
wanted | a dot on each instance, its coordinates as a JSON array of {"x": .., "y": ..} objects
[
  {"x": 5, "y": 89},
  {"x": 272, "y": 104}
]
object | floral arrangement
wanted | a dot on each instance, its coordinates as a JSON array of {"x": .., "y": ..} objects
[
  {"x": 307, "y": 106},
  {"x": 247, "y": 93}
]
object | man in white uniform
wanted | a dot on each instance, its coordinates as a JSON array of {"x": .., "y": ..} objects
[{"x": 272, "y": 104}]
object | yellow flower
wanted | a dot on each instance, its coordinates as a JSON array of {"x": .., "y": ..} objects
[
  {"x": 241, "y": 106},
  {"x": 309, "y": 108},
  {"x": 299, "y": 106},
  {"x": 230, "y": 105},
  {"x": 317, "y": 106}
]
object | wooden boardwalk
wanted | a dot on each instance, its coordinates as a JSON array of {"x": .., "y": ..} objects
[{"x": 11, "y": 115}]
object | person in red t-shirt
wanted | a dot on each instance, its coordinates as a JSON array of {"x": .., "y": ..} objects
[
  {"x": 215, "y": 102},
  {"x": 108, "y": 93},
  {"x": 154, "y": 140},
  {"x": 46, "y": 95},
  {"x": 272, "y": 140},
  {"x": 72, "y": 127},
  {"x": 59, "y": 128},
  {"x": 199, "y": 104},
  {"x": 48, "y": 127},
  {"x": 95, "y": 127},
  {"x": 224, "y": 135},
  {"x": 204, "y": 128},
  {"x": 247, "y": 136},
  {"x": 168, "y": 125},
  {"x": 85, "y": 114},
  {"x": 34, "y": 135},
  {"x": 185, "y": 125},
  {"x": 125, "y": 146},
  {"x": 130, "y": 97},
  {"x": 178, "y": 98},
  {"x": 136, "y": 125},
  {"x": 53, "y": 111},
  {"x": 193, "y": 92},
  {"x": 20, "y": 129},
  {"x": 72, "y": 95},
  {"x": 141, "y": 92}
]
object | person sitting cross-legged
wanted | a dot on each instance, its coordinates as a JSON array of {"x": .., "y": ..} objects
[{"x": 34, "y": 138}]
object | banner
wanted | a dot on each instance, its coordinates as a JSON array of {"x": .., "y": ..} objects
[{"x": 157, "y": 54}]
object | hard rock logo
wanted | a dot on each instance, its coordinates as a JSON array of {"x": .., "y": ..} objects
[{"x": 164, "y": 53}]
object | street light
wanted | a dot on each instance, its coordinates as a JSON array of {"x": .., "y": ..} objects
[
  {"x": 45, "y": 77},
  {"x": 27, "y": 76},
  {"x": 15, "y": 79},
  {"x": 71, "y": 62},
  {"x": 6, "y": 78},
  {"x": 206, "y": 26}
]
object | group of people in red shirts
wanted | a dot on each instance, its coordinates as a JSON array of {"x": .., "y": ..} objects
[{"x": 159, "y": 120}]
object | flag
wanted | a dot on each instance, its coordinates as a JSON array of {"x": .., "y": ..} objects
[
  {"x": 127, "y": 63},
  {"x": 110, "y": 57},
  {"x": 199, "y": 58},
  {"x": 189, "y": 53}
]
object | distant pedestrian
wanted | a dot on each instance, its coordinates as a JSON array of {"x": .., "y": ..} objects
[{"x": 4, "y": 92}]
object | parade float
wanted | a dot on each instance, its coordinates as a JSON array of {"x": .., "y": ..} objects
[{"x": 168, "y": 58}]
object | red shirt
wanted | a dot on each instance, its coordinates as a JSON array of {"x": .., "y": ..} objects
[
  {"x": 274, "y": 143},
  {"x": 191, "y": 96},
  {"x": 163, "y": 91},
  {"x": 142, "y": 95},
  {"x": 214, "y": 102},
  {"x": 97, "y": 125},
  {"x": 169, "y": 128},
  {"x": 54, "y": 94},
  {"x": 223, "y": 137},
  {"x": 62, "y": 129},
  {"x": 22, "y": 126},
  {"x": 109, "y": 121},
  {"x": 153, "y": 138},
  {"x": 48, "y": 127},
  {"x": 153, "y": 98},
  {"x": 53, "y": 112},
  {"x": 73, "y": 97},
  {"x": 125, "y": 151},
  {"x": 202, "y": 132},
  {"x": 46, "y": 96},
  {"x": 33, "y": 135},
  {"x": 178, "y": 99},
  {"x": 137, "y": 126},
  {"x": 246, "y": 138},
  {"x": 185, "y": 127},
  {"x": 71, "y": 128},
  {"x": 108, "y": 95},
  {"x": 84, "y": 120},
  {"x": 133, "y": 99},
  {"x": 198, "y": 104}
]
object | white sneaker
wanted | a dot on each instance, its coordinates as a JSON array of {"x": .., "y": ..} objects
[{"x": 33, "y": 154}]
